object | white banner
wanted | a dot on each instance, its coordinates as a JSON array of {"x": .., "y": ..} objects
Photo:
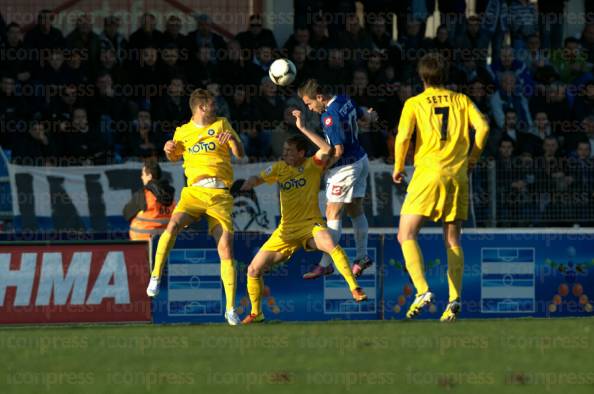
[{"x": 92, "y": 198}]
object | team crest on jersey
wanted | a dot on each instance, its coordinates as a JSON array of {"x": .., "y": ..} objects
[
  {"x": 328, "y": 121},
  {"x": 211, "y": 132},
  {"x": 268, "y": 170},
  {"x": 300, "y": 169}
]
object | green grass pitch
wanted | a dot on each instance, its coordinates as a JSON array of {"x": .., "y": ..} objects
[{"x": 470, "y": 356}]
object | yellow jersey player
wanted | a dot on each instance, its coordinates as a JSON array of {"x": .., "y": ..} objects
[
  {"x": 205, "y": 143},
  {"x": 438, "y": 189},
  {"x": 301, "y": 224}
]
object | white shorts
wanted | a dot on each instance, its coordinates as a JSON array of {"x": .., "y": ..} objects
[{"x": 347, "y": 182}]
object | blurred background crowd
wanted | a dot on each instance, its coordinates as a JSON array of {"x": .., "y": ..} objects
[{"x": 93, "y": 96}]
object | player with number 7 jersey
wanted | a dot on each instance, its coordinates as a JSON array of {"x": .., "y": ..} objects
[
  {"x": 441, "y": 118},
  {"x": 439, "y": 188}
]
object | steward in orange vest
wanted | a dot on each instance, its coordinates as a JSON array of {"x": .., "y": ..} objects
[{"x": 150, "y": 208}]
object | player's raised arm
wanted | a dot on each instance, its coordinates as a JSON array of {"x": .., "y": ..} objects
[
  {"x": 268, "y": 175},
  {"x": 481, "y": 127},
  {"x": 312, "y": 136},
  {"x": 325, "y": 151},
  {"x": 405, "y": 131},
  {"x": 173, "y": 150}
]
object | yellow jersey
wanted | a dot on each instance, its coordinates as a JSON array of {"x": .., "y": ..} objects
[
  {"x": 204, "y": 156},
  {"x": 299, "y": 188},
  {"x": 442, "y": 118}
]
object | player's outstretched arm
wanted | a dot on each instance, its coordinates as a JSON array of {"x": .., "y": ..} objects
[
  {"x": 173, "y": 150},
  {"x": 251, "y": 182}
]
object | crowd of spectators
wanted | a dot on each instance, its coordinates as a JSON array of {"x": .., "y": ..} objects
[{"x": 94, "y": 96}]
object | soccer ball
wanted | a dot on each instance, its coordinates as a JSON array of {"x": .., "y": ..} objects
[{"x": 282, "y": 72}]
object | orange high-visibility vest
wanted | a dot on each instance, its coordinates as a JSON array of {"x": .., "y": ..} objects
[{"x": 151, "y": 221}]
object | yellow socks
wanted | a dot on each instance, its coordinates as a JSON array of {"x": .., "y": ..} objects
[
  {"x": 166, "y": 241},
  {"x": 228, "y": 276},
  {"x": 228, "y": 273},
  {"x": 455, "y": 271},
  {"x": 341, "y": 262},
  {"x": 255, "y": 286},
  {"x": 414, "y": 265}
]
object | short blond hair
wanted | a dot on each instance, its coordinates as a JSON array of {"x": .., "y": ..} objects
[
  {"x": 311, "y": 88},
  {"x": 200, "y": 97}
]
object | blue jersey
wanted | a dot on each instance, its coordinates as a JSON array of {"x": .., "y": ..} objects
[{"x": 339, "y": 123}]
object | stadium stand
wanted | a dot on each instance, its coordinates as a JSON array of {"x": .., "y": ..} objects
[{"x": 94, "y": 96}]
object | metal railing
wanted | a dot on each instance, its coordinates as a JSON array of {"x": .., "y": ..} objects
[{"x": 539, "y": 192}]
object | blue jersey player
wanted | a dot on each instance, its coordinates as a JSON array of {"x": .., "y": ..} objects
[{"x": 346, "y": 179}]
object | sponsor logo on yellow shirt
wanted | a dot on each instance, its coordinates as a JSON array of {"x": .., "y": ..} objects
[
  {"x": 293, "y": 184},
  {"x": 202, "y": 147}
]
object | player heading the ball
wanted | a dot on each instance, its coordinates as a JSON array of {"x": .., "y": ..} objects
[{"x": 346, "y": 181}]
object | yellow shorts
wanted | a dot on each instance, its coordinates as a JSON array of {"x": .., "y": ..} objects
[
  {"x": 288, "y": 240},
  {"x": 437, "y": 196},
  {"x": 216, "y": 204}
]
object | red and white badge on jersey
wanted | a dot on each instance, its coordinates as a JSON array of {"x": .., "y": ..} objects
[
  {"x": 336, "y": 190},
  {"x": 328, "y": 121}
]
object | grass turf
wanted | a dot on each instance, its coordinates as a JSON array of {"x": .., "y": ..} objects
[{"x": 470, "y": 356}]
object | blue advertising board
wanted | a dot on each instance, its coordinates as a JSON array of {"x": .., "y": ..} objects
[
  {"x": 506, "y": 274},
  {"x": 191, "y": 290}
]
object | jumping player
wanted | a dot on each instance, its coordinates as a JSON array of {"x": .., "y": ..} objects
[
  {"x": 205, "y": 143},
  {"x": 346, "y": 180}
]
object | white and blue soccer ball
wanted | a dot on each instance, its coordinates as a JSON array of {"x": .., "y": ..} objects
[{"x": 282, "y": 72}]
